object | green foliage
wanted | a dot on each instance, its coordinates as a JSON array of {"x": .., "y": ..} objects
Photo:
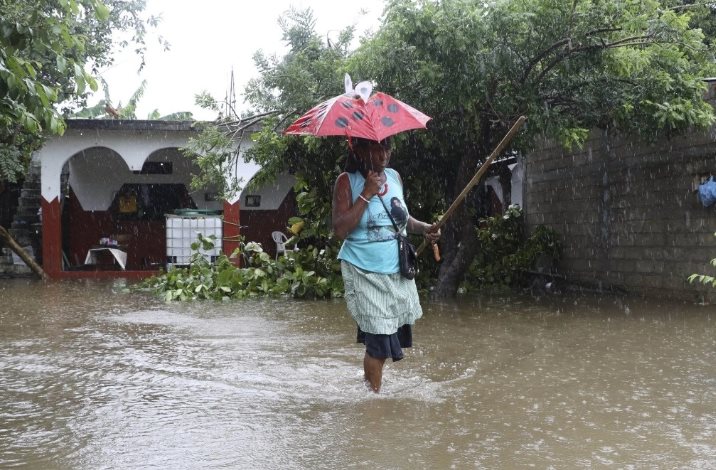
[
  {"x": 206, "y": 101},
  {"x": 704, "y": 279},
  {"x": 506, "y": 255},
  {"x": 632, "y": 66},
  {"x": 475, "y": 66},
  {"x": 310, "y": 72},
  {"x": 309, "y": 273},
  {"x": 102, "y": 109},
  {"x": 13, "y": 161},
  {"x": 129, "y": 111},
  {"x": 702, "y": 15},
  {"x": 49, "y": 51},
  {"x": 635, "y": 66},
  {"x": 216, "y": 152}
]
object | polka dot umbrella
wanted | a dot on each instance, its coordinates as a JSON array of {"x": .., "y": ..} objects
[{"x": 375, "y": 117}]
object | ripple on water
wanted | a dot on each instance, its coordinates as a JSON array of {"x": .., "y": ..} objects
[{"x": 140, "y": 384}]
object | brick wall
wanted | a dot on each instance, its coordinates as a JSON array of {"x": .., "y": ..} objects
[{"x": 626, "y": 212}]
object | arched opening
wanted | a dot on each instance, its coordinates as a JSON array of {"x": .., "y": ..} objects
[{"x": 107, "y": 208}]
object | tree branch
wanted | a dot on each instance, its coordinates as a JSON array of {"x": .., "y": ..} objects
[
  {"x": 632, "y": 41},
  {"x": 568, "y": 40}
]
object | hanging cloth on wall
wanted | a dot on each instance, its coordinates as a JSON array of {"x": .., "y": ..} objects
[{"x": 707, "y": 192}]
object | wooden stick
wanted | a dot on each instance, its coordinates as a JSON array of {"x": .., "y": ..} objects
[
  {"x": 436, "y": 252},
  {"x": 476, "y": 179},
  {"x": 23, "y": 254}
]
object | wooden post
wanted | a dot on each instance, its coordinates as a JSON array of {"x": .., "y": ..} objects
[{"x": 22, "y": 254}]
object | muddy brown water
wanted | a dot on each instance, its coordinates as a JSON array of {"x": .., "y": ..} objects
[{"x": 94, "y": 378}]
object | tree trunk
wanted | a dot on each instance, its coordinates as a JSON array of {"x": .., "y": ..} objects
[
  {"x": 5, "y": 235},
  {"x": 460, "y": 238},
  {"x": 453, "y": 269},
  {"x": 459, "y": 242}
]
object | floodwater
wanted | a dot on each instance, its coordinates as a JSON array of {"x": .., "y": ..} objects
[{"x": 94, "y": 378}]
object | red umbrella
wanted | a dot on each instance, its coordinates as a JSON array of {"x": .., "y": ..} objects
[{"x": 376, "y": 118}]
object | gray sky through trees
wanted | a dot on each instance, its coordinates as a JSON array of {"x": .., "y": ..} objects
[{"x": 209, "y": 38}]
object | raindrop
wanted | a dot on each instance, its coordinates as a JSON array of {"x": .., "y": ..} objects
[
  {"x": 386, "y": 121},
  {"x": 393, "y": 108},
  {"x": 342, "y": 122}
]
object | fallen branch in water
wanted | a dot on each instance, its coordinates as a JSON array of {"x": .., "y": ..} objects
[{"x": 5, "y": 235}]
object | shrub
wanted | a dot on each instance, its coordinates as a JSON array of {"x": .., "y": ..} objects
[
  {"x": 704, "y": 279},
  {"x": 506, "y": 257}
]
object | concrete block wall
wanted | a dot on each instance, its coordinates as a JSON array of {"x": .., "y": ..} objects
[
  {"x": 8, "y": 269},
  {"x": 626, "y": 212}
]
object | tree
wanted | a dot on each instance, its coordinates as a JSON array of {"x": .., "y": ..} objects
[
  {"x": 312, "y": 70},
  {"x": 49, "y": 52},
  {"x": 475, "y": 66},
  {"x": 703, "y": 16}
]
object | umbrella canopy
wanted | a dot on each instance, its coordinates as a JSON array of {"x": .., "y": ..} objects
[{"x": 375, "y": 118}]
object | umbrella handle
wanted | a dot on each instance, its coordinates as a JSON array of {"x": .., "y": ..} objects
[
  {"x": 476, "y": 179},
  {"x": 436, "y": 252}
]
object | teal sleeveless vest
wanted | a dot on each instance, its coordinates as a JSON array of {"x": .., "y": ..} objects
[{"x": 372, "y": 245}]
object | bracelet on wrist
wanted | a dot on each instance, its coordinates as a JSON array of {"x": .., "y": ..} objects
[{"x": 363, "y": 197}]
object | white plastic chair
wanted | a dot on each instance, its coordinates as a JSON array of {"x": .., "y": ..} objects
[{"x": 280, "y": 238}]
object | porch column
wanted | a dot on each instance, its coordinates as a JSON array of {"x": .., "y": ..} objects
[
  {"x": 50, "y": 171},
  {"x": 51, "y": 237},
  {"x": 232, "y": 230}
]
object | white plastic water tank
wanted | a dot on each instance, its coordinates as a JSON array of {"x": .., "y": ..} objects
[{"x": 184, "y": 229}]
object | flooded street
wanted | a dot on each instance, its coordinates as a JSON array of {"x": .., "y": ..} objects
[{"x": 94, "y": 378}]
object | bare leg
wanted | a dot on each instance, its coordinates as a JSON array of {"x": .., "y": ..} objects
[{"x": 373, "y": 368}]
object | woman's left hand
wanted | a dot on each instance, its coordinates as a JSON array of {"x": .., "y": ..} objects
[{"x": 432, "y": 233}]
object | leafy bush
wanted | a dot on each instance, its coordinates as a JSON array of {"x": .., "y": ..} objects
[
  {"x": 506, "y": 256},
  {"x": 308, "y": 273},
  {"x": 704, "y": 279}
]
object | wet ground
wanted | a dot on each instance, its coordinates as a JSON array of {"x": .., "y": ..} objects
[{"x": 91, "y": 377}]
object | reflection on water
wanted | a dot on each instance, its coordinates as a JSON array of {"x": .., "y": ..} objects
[{"x": 94, "y": 378}]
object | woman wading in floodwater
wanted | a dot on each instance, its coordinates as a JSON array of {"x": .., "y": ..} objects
[{"x": 383, "y": 303}]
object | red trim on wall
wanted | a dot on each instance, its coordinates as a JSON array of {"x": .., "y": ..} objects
[
  {"x": 52, "y": 250},
  {"x": 232, "y": 229},
  {"x": 51, "y": 237},
  {"x": 82, "y": 230},
  {"x": 260, "y": 224}
]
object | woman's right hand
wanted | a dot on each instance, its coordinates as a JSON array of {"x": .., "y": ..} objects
[{"x": 372, "y": 185}]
